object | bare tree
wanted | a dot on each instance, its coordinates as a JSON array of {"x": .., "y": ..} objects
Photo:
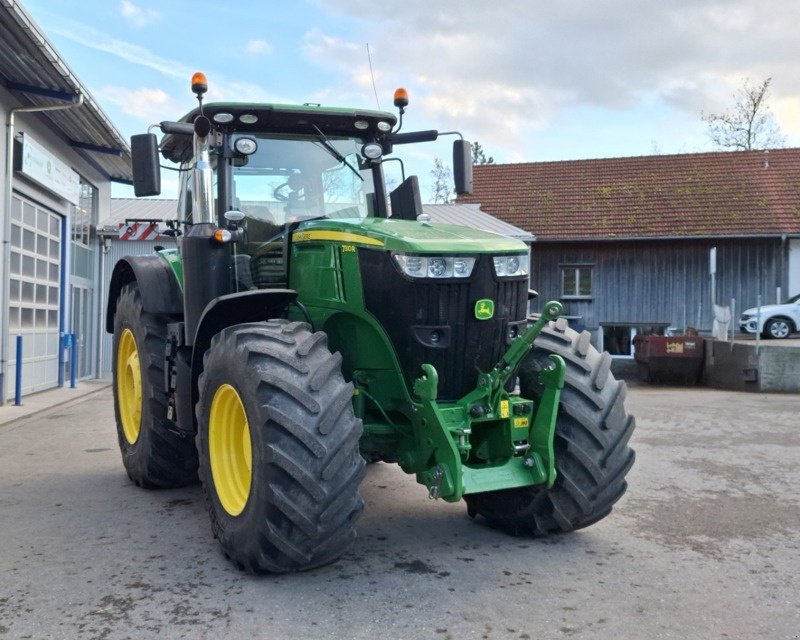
[
  {"x": 749, "y": 124},
  {"x": 655, "y": 148},
  {"x": 441, "y": 188},
  {"x": 479, "y": 155}
]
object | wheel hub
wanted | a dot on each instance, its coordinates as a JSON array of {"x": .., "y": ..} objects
[
  {"x": 779, "y": 329},
  {"x": 230, "y": 451},
  {"x": 129, "y": 386}
]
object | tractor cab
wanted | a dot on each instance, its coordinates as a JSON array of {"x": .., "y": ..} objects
[{"x": 258, "y": 170}]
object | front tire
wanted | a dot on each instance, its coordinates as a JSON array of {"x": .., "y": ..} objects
[
  {"x": 278, "y": 445},
  {"x": 153, "y": 455},
  {"x": 777, "y": 328},
  {"x": 591, "y": 443}
]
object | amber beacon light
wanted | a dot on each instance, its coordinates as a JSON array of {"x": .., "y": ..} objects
[
  {"x": 400, "y": 98},
  {"x": 199, "y": 83}
]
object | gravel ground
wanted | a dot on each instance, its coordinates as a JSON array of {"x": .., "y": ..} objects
[{"x": 704, "y": 545}]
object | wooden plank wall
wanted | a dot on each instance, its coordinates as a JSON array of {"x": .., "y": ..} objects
[{"x": 665, "y": 281}]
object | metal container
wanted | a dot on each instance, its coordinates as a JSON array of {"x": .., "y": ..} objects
[{"x": 669, "y": 359}]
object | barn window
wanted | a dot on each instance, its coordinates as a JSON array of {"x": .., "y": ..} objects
[{"x": 576, "y": 281}]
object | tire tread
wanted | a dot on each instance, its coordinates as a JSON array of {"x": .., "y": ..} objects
[
  {"x": 591, "y": 443},
  {"x": 303, "y": 515}
]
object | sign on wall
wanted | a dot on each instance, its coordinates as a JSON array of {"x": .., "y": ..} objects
[
  {"x": 45, "y": 169},
  {"x": 137, "y": 230}
]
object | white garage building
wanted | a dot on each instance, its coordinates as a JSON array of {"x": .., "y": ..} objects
[{"x": 59, "y": 155}]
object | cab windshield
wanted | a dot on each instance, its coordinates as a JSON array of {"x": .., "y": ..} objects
[{"x": 291, "y": 179}]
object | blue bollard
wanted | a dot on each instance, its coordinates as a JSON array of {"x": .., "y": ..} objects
[
  {"x": 18, "y": 390},
  {"x": 63, "y": 343},
  {"x": 73, "y": 357}
]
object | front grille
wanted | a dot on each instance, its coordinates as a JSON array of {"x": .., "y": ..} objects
[{"x": 411, "y": 309}]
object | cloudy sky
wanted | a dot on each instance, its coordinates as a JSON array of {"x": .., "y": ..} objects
[{"x": 530, "y": 80}]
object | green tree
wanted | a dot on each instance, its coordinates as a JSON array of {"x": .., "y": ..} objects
[
  {"x": 748, "y": 124},
  {"x": 479, "y": 155}
]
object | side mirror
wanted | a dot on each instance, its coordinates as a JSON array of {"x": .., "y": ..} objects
[
  {"x": 462, "y": 167},
  {"x": 146, "y": 170}
]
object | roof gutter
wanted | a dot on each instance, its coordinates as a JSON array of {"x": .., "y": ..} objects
[{"x": 5, "y": 234}]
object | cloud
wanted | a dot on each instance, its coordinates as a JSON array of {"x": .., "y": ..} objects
[
  {"x": 90, "y": 37},
  {"x": 502, "y": 72},
  {"x": 146, "y": 103},
  {"x": 220, "y": 86},
  {"x": 258, "y": 47},
  {"x": 137, "y": 16}
]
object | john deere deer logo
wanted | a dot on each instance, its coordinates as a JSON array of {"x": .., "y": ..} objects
[{"x": 484, "y": 309}]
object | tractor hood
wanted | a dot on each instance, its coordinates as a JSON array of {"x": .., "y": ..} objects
[{"x": 408, "y": 236}]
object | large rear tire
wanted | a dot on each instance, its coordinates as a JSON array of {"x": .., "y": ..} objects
[
  {"x": 153, "y": 455},
  {"x": 278, "y": 445},
  {"x": 591, "y": 443}
]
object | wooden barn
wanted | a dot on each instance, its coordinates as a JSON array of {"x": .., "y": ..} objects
[{"x": 626, "y": 243}]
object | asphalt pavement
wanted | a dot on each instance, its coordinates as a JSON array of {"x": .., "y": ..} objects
[{"x": 704, "y": 545}]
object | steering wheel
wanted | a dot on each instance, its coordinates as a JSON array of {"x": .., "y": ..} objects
[
  {"x": 296, "y": 184},
  {"x": 278, "y": 192}
]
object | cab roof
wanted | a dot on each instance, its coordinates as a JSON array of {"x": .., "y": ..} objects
[{"x": 279, "y": 118}]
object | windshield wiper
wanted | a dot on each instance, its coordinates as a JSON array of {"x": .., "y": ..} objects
[{"x": 323, "y": 140}]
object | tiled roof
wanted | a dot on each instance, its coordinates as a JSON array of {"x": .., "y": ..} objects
[{"x": 745, "y": 193}]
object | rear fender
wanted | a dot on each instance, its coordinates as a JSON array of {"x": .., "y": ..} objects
[{"x": 158, "y": 286}]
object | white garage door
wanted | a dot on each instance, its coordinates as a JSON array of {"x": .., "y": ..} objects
[{"x": 34, "y": 294}]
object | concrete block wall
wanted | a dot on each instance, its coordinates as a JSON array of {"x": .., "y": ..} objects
[{"x": 738, "y": 367}]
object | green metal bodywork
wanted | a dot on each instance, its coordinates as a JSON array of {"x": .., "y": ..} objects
[
  {"x": 487, "y": 440},
  {"x": 452, "y": 450},
  {"x": 173, "y": 259}
]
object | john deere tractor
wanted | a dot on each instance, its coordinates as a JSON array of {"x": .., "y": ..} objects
[{"x": 307, "y": 322}]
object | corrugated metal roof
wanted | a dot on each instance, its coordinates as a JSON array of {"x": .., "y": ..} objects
[
  {"x": 36, "y": 75},
  {"x": 467, "y": 215},
  {"x": 142, "y": 208},
  {"x": 470, "y": 215},
  {"x": 722, "y": 194}
]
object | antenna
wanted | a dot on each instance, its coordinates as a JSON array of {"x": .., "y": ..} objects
[{"x": 372, "y": 75}]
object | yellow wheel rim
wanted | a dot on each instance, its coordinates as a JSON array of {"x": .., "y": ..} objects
[
  {"x": 229, "y": 449},
  {"x": 129, "y": 386}
]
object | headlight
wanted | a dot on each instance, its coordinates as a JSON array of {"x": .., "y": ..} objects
[
  {"x": 510, "y": 266},
  {"x": 435, "y": 266},
  {"x": 372, "y": 150},
  {"x": 245, "y": 146}
]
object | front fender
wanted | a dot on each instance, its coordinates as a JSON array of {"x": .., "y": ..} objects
[{"x": 236, "y": 308}]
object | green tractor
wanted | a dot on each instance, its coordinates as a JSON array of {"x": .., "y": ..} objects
[{"x": 308, "y": 322}]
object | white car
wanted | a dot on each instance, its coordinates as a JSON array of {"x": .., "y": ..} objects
[{"x": 774, "y": 320}]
